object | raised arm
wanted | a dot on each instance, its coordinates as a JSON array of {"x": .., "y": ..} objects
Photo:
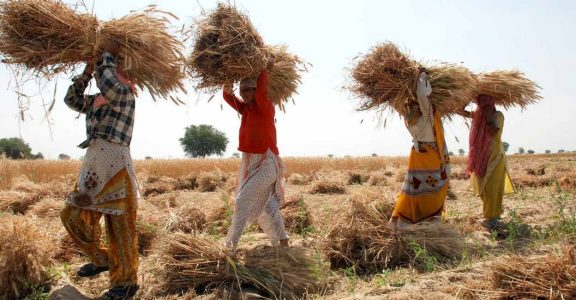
[
  {"x": 116, "y": 93},
  {"x": 232, "y": 100},
  {"x": 261, "y": 96},
  {"x": 423, "y": 90},
  {"x": 75, "y": 98}
]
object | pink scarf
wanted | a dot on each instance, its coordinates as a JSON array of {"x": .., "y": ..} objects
[
  {"x": 480, "y": 137},
  {"x": 100, "y": 100}
]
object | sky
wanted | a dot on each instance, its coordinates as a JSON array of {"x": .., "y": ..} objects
[{"x": 533, "y": 36}]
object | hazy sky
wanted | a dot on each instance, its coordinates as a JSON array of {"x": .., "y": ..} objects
[{"x": 533, "y": 36}]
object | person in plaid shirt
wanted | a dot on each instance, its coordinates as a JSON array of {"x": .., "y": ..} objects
[{"x": 106, "y": 186}]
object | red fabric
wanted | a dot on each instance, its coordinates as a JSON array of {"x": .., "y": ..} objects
[
  {"x": 480, "y": 137},
  {"x": 257, "y": 130}
]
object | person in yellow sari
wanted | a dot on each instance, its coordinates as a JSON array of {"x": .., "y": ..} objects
[
  {"x": 487, "y": 164},
  {"x": 426, "y": 182}
]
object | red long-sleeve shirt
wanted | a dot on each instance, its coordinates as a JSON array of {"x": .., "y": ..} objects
[{"x": 257, "y": 129}]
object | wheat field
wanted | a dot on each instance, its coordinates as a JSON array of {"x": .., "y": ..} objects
[{"x": 194, "y": 196}]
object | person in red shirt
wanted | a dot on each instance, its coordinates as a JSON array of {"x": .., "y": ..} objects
[{"x": 260, "y": 185}]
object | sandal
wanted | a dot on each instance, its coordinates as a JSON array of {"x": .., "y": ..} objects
[
  {"x": 89, "y": 270},
  {"x": 120, "y": 293}
]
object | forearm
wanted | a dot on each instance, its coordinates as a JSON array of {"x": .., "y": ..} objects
[
  {"x": 111, "y": 88},
  {"x": 233, "y": 101},
  {"x": 75, "y": 98}
]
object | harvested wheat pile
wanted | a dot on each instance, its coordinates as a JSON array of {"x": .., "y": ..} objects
[
  {"x": 14, "y": 201},
  {"x": 327, "y": 187},
  {"x": 227, "y": 48},
  {"x": 364, "y": 240},
  {"x": 548, "y": 277},
  {"x": 189, "y": 182},
  {"x": 211, "y": 181},
  {"x": 195, "y": 262},
  {"x": 386, "y": 77},
  {"x": 220, "y": 219},
  {"x": 49, "y": 207},
  {"x": 187, "y": 218},
  {"x": 158, "y": 186},
  {"x": 47, "y": 37},
  {"x": 25, "y": 256},
  {"x": 378, "y": 179},
  {"x": 509, "y": 88},
  {"x": 568, "y": 182},
  {"x": 357, "y": 178},
  {"x": 149, "y": 225},
  {"x": 25, "y": 193},
  {"x": 531, "y": 181},
  {"x": 540, "y": 171},
  {"x": 298, "y": 179},
  {"x": 285, "y": 76},
  {"x": 297, "y": 217}
]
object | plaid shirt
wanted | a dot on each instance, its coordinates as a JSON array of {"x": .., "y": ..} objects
[{"x": 113, "y": 121}]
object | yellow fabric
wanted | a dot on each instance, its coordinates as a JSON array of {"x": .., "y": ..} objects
[
  {"x": 427, "y": 203},
  {"x": 121, "y": 255},
  {"x": 496, "y": 182}
]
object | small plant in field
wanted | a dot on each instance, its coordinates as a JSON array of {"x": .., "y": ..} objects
[
  {"x": 37, "y": 292},
  {"x": 382, "y": 278},
  {"x": 350, "y": 273},
  {"x": 513, "y": 228},
  {"x": 422, "y": 259}
]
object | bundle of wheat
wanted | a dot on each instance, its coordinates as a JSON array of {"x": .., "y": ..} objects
[
  {"x": 47, "y": 37},
  {"x": 509, "y": 88},
  {"x": 386, "y": 77},
  {"x": 196, "y": 262},
  {"x": 26, "y": 254},
  {"x": 365, "y": 241},
  {"x": 547, "y": 277}
]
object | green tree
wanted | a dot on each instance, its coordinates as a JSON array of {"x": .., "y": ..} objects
[
  {"x": 530, "y": 152},
  {"x": 461, "y": 152},
  {"x": 561, "y": 151},
  {"x": 506, "y": 146},
  {"x": 203, "y": 140},
  {"x": 38, "y": 155},
  {"x": 15, "y": 148},
  {"x": 548, "y": 151},
  {"x": 521, "y": 150},
  {"x": 63, "y": 156}
]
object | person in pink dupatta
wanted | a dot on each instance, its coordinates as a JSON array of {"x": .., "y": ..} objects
[{"x": 487, "y": 164}]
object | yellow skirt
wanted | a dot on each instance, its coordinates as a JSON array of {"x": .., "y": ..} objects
[
  {"x": 492, "y": 191},
  {"x": 425, "y": 187}
]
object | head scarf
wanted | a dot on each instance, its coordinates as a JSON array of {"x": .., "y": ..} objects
[{"x": 480, "y": 137}]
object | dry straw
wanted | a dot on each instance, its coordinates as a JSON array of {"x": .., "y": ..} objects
[
  {"x": 26, "y": 254},
  {"x": 195, "y": 262},
  {"x": 285, "y": 76},
  {"x": 47, "y": 37},
  {"x": 386, "y": 77},
  {"x": 548, "y": 277},
  {"x": 363, "y": 240},
  {"x": 509, "y": 88},
  {"x": 227, "y": 48},
  {"x": 297, "y": 217}
]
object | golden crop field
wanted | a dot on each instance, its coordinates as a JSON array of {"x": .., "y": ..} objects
[{"x": 534, "y": 257}]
